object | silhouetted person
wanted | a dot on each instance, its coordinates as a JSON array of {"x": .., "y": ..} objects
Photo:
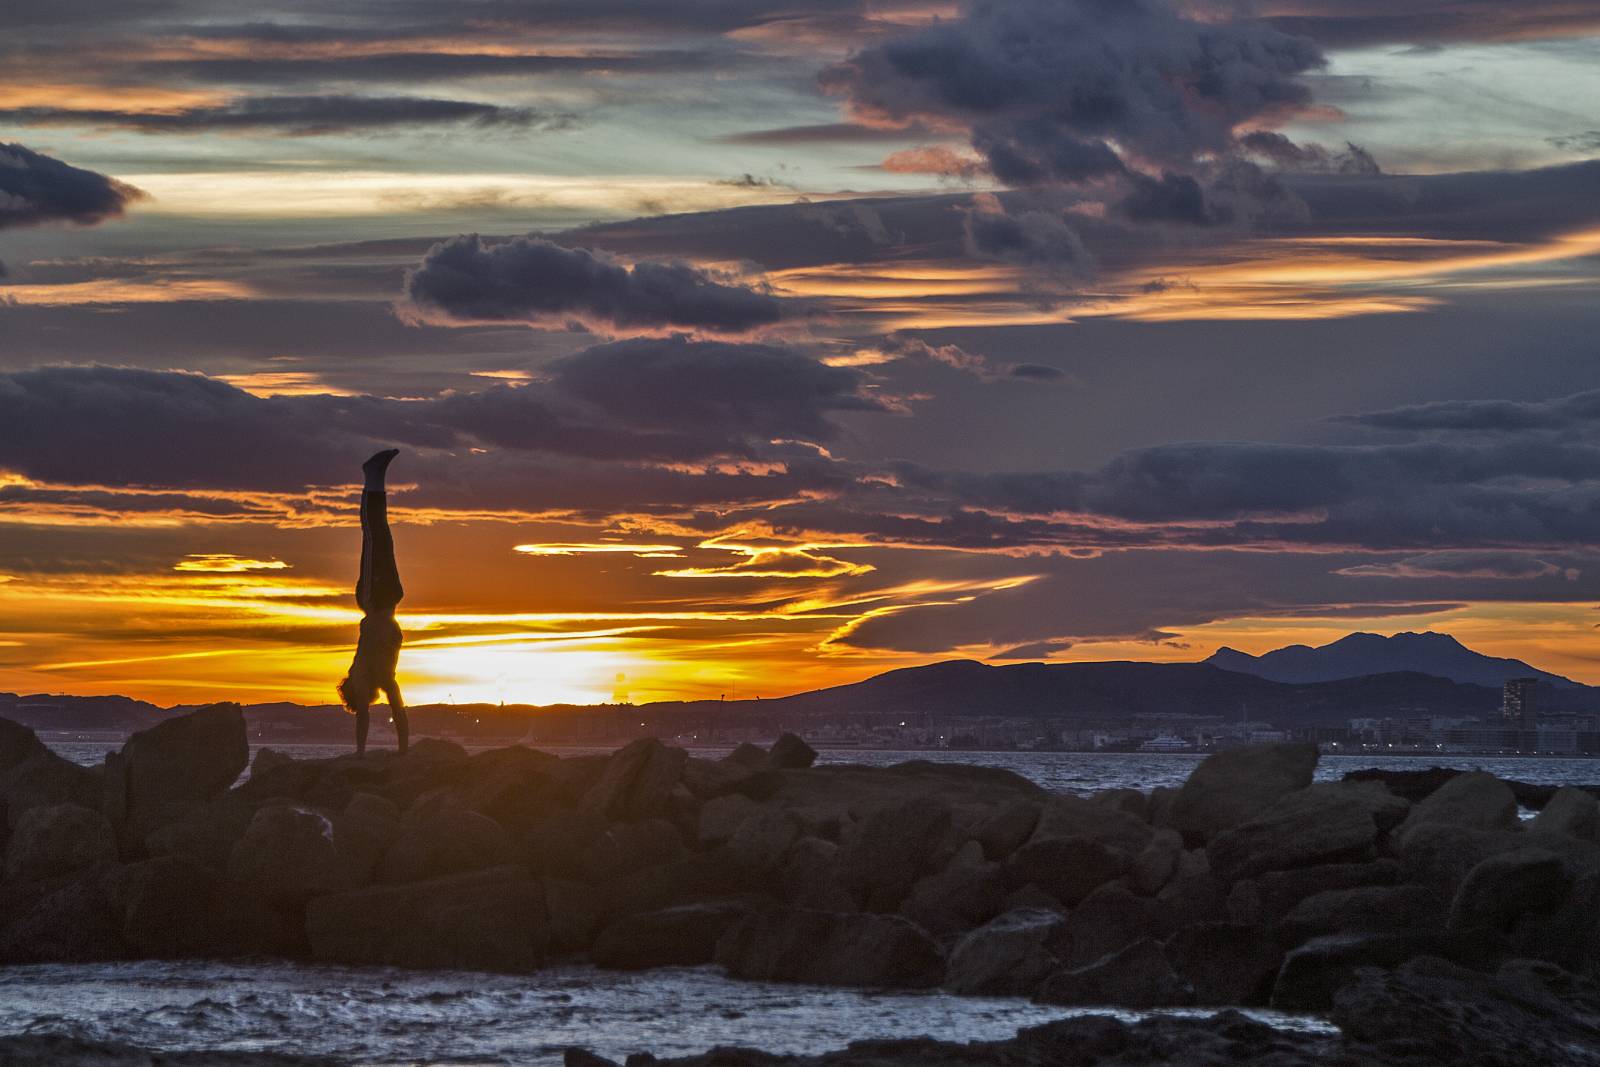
[{"x": 378, "y": 592}]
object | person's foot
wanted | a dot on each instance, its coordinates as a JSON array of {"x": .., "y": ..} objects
[{"x": 376, "y": 467}]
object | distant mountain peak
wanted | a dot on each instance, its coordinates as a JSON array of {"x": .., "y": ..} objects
[{"x": 1358, "y": 654}]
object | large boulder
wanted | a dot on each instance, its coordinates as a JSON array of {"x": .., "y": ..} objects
[
  {"x": 1377, "y": 908},
  {"x": 1439, "y": 854},
  {"x": 1007, "y": 956},
  {"x": 1314, "y": 973},
  {"x": 1008, "y": 828},
  {"x": 761, "y": 843},
  {"x": 1107, "y": 921},
  {"x": 1327, "y": 823},
  {"x": 672, "y": 937},
  {"x": 17, "y": 744},
  {"x": 891, "y": 848},
  {"x": 722, "y": 816},
  {"x": 1138, "y": 976},
  {"x": 830, "y": 948},
  {"x": 1271, "y": 896},
  {"x": 624, "y": 848},
  {"x": 1571, "y": 812},
  {"x": 789, "y": 753},
  {"x": 492, "y": 920},
  {"x": 1233, "y": 786},
  {"x": 968, "y": 892},
  {"x": 1068, "y": 868},
  {"x": 44, "y": 779},
  {"x": 72, "y": 920},
  {"x": 1226, "y": 963},
  {"x": 57, "y": 840},
  {"x": 810, "y": 878},
  {"x": 1156, "y": 865},
  {"x": 1070, "y": 816},
  {"x": 1506, "y": 886},
  {"x": 1473, "y": 801},
  {"x": 206, "y": 834},
  {"x": 451, "y": 842},
  {"x": 174, "y": 907},
  {"x": 638, "y": 781},
  {"x": 288, "y": 855},
  {"x": 177, "y": 765},
  {"x": 515, "y": 786}
]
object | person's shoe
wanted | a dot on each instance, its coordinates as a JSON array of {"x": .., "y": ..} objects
[{"x": 376, "y": 467}]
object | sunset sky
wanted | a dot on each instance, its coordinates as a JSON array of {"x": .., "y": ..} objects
[{"x": 750, "y": 346}]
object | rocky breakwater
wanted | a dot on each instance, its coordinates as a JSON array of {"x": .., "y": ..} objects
[{"x": 1248, "y": 886}]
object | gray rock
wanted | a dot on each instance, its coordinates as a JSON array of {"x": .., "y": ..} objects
[
  {"x": 968, "y": 892},
  {"x": 1070, "y": 816},
  {"x": 1315, "y": 972},
  {"x": 789, "y": 753},
  {"x": 892, "y": 848},
  {"x": 515, "y": 786},
  {"x": 1571, "y": 812},
  {"x": 710, "y": 779},
  {"x": 174, "y": 907},
  {"x": 762, "y": 841},
  {"x": 451, "y": 842},
  {"x": 1138, "y": 976},
  {"x": 1068, "y": 868},
  {"x": 1007, "y": 956},
  {"x": 811, "y": 878},
  {"x": 1503, "y": 887},
  {"x": 638, "y": 781},
  {"x": 44, "y": 779},
  {"x": 206, "y": 834},
  {"x": 1129, "y": 801},
  {"x": 178, "y": 765},
  {"x": 1226, "y": 963},
  {"x": 17, "y": 745},
  {"x": 1394, "y": 908},
  {"x": 1107, "y": 921},
  {"x": 288, "y": 855},
  {"x": 363, "y": 833},
  {"x": 492, "y": 920},
  {"x": 1324, "y": 823},
  {"x": 57, "y": 840},
  {"x": 73, "y": 920},
  {"x": 1008, "y": 828},
  {"x": 1153, "y": 868},
  {"x": 721, "y": 817},
  {"x": 1473, "y": 801},
  {"x": 1279, "y": 891},
  {"x": 672, "y": 937},
  {"x": 1232, "y": 787},
  {"x": 860, "y": 949},
  {"x": 1439, "y": 854},
  {"x": 624, "y": 848}
]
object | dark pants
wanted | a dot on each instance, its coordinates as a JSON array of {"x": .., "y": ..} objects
[{"x": 378, "y": 593}]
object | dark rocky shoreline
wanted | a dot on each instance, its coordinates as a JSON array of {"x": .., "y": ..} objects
[{"x": 1415, "y": 911}]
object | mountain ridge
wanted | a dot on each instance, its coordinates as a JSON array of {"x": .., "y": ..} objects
[{"x": 1361, "y": 654}]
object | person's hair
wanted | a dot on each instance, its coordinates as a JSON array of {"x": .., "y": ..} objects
[{"x": 355, "y": 695}]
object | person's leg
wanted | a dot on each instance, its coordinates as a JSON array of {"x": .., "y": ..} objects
[
  {"x": 378, "y": 590},
  {"x": 397, "y": 710},
  {"x": 361, "y": 730}
]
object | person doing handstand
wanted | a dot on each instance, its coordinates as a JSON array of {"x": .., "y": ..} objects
[{"x": 378, "y": 592}]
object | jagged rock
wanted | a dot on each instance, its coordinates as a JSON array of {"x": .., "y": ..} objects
[
  {"x": 637, "y": 782},
  {"x": 860, "y": 949},
  {"x": 57, "y": 840},
  {"x": 721, "y": 817},
  {"x": 451, "y": 842},
  {"x": 748, "y": 755},
  {"x": 1503, "y": 887},
  {"x": 288, "y": 855},
  {"x": 762, "y": 841},
  {"x": 811, "y": 877},
  {"x": 673, "y": 937},
  {"x": 206, "y": 834},
  {"x": 1068, "y": 868},
  {"x": 556, "y": 847},
  {"x": 1439, "y": 854},
  {"x": 1007, "y": 956},
  {"x": 1313, "y": 973},
  {"x": 1070, "y": 816},
  {"x": 44, "y": 779},
  {"x": 1326, "y": 823},
  {"x": 890, "y": 849},
  {"x": 1275, "y": 893},
  {"x": 178, "y": 765},
  {"x": 628, "y": 847},
  {"x": 1107, "y": 921},
  {"x": 74, "y": 920},
  {"x": 1153, "y": 868},
  {"x": 515, "y": 786},
  {"x": 572, "y": 914},
  {"x": 789, "y": 753},
  {"x": 1226, "y": 963},
  {"x": 1473, "y": 801},
  {"x": 1008, "y": 829},
  {"x": 968, "y": 892},
  {"x": 1369, "y": 909},
  {"x": 1138, "y": 976},
  {"x": 1571, "y": 812},
  {"x": 1238, "y": 784},
  {"x": 174, "y": 907},
  {"x": 492, "y": 920}
]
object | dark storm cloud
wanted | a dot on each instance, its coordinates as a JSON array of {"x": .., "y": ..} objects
[
  {"x": 1028, "y": 236},
  {"x": 534, "y": 281},
  {"x": 1312, "y": 158},
  {"x": 825, "y": 133},
  {"x": 299, "y": 115},
  {"x": 1361, "y": 23},
  {"x": 1065, "y": 91},
  {"x": 642, "y": 400},
  {"x": 409, "y": 67},
  {"x": 36, "y": 189},
  {"x": 1579, "y": 412}
]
